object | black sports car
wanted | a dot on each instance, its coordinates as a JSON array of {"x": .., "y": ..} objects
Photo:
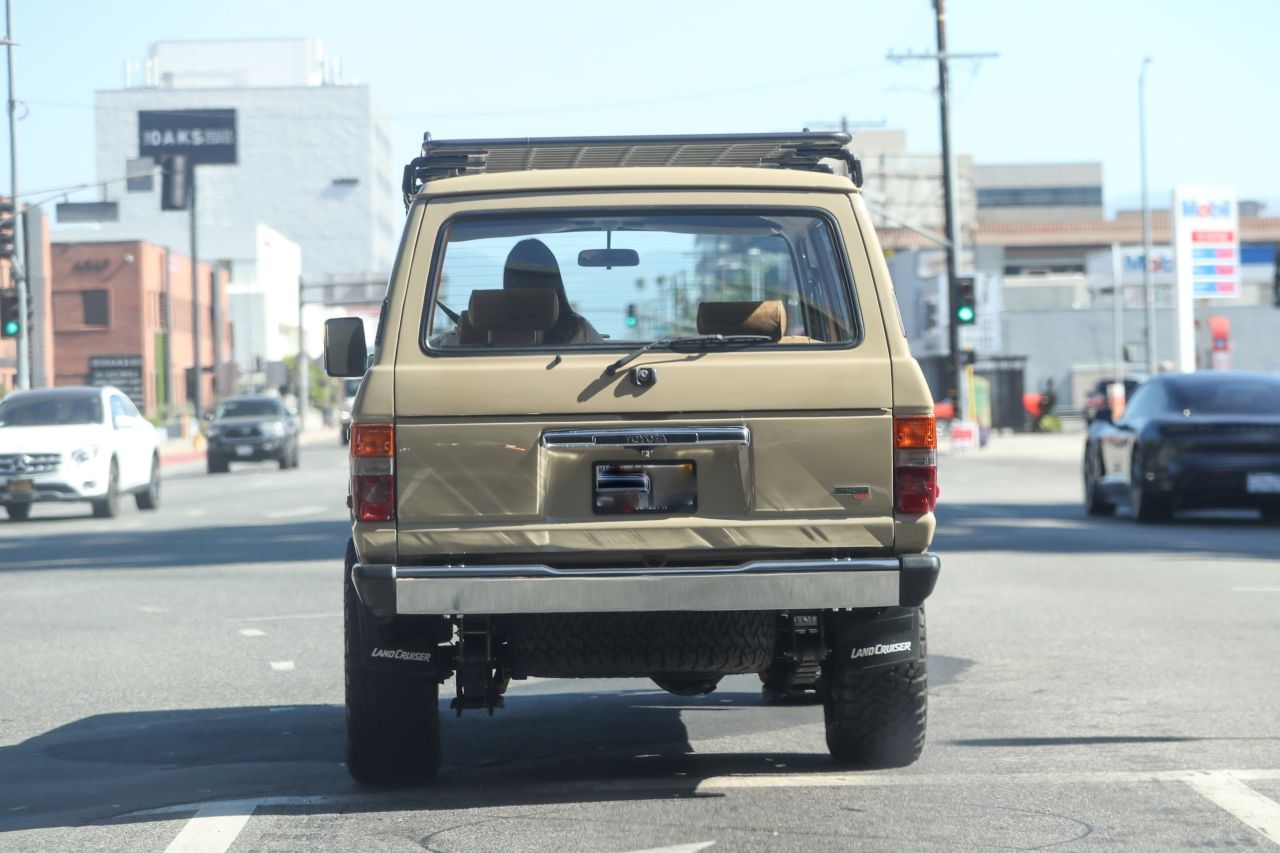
[{"x": 1191, "y": 440}]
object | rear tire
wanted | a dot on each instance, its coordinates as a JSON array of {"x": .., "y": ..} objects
[
  {"x": 109, "y": 506},
  {"x": 876, "y": 718},
  {"x": 18, "y": 512},
  {"x": 393, "y": 719},
  {"x": 216, "y": 465},
  {"x": 150, "y": 498},
  {"x": 1148, "y": 508}
]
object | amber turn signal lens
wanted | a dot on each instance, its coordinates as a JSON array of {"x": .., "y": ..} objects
[
  {"x": 915, "y": 432},
  {"x": 373, "y": 440}
]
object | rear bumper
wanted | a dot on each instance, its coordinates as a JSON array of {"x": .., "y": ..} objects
[{"x": 390, "y": 590}]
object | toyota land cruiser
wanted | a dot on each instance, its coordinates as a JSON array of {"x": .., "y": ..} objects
[{"x": 644, "y": 407}]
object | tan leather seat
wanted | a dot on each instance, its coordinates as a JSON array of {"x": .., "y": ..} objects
[{"x": 767, "y": 318}]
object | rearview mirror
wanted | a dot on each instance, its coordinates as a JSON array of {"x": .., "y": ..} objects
[
  {"x": 345, "y": 350},
  {"x": 608, "y": 258}
]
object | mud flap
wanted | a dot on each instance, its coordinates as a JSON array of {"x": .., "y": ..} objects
[
  {"x": 408, "y": 644},
  {"x": 863, "y": 642}
]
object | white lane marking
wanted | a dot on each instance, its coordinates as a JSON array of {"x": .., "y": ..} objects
[
  {"x": 330, "y": 614},
  {"x": 214, "y": 828},
  {"x": 1246, "y": 805},
  {"x": 252, "y": 632},
  {"x": 282, "y": 665},
  {"x": 678, "y": 848},
  {"x": 295, "y": 512},
  {"x": 196, "y": 513},
  {"x": 872, "y": 780},
  {"x": 1256, "y": 589},
  {"x": 151, "y": 608}
]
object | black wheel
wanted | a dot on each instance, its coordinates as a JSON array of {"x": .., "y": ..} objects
[
  {"x": 296, "y": 458},
  {"x": 1094, "y": 502},
  {"x": 216, "y": 464},
  {"x": 18, "y": 512},
  {"x": 876, "y": 718},
  {"x": 687, "y": 686},
  {"x": 150, "y": 499},
  {"x": 1148, "y": 507},
  {"x": 109, "y": 506},
  {"x": 284, "y": 459},
  {"x": 393, "y": 719}
]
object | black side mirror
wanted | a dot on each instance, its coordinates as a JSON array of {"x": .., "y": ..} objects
[
  {"x": 345, "y": 351},
  {"x": 1103, "y": 414}
]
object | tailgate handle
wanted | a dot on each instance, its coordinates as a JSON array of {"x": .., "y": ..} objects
[{"x": 629, "y": 483}]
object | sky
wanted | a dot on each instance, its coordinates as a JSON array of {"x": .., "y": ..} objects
[{"x": 1063, "y": 88}]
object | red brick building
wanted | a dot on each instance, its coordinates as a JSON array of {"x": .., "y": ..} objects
[{"x": 122, "y": 312}]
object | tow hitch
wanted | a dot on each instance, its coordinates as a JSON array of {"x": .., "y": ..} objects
[{"x": 481, "y": 676}]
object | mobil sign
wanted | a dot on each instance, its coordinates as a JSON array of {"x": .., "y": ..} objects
[{"x": 1206, "y": 233}]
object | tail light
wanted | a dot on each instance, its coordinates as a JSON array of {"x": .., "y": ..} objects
[
  {"x": 373, "y": 472},
  {"x": 915, "y": 464}
]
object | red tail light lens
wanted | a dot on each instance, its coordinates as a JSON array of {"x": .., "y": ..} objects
[
  {"x": 915, "y": 470},
  {"x": 373, "y": 472}
]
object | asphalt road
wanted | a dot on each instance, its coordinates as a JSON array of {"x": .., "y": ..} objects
[{"x": 173, "y": 681}]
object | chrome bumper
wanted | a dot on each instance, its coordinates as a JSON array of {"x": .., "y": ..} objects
[{"x": 760, "y": 585}]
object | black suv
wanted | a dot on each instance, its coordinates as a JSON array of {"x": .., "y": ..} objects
[{"x": 250, "y": 429}]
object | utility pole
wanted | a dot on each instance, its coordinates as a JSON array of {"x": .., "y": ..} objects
[
  {"x": 195, "y": 295},
  {"x": 1148, "y": 287},
  {"x": 951, "y": 213},
  {"x": 18, "y": 272}
]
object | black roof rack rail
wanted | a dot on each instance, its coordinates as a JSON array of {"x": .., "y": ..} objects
[{"x": 447, "y": 158}]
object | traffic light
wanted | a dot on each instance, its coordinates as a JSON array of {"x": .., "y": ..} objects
[
  {"x": 174, "y": 183},
  {"x": 966, "y": 305},
  {"x": 632, "y": 319},
  {"x": 930, "y": 314},
  {"x": 7, "y": 224},
  {"x": 10, "y": 319}
]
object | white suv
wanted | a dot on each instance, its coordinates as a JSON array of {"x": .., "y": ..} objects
[{"x": 76, "y": 444}]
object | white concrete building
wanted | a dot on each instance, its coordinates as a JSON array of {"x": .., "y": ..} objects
[{"x": 314, "y": 167}]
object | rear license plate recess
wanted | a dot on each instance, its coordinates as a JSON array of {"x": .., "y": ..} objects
[{"x": 627, "y": 488}]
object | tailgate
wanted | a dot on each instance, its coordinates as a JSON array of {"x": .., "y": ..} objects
[{"x": 732, "y": 451}]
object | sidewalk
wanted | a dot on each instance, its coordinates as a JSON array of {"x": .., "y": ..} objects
[{"x": 183, "y": 451}]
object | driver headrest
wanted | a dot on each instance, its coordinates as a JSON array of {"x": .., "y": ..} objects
[
  {"x": 533, "y": 310},
  {"x": 531, "y": 265},
  {"x": 768, "y": 318}
]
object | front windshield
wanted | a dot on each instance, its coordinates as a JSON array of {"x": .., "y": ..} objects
[
  {"x": 617, "y": 279},
  {"x": 50, "y": 410},
  {"x": 248, "y": 408}
]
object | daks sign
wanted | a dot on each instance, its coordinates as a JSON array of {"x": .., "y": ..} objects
[{"x": 204, "y": 136}]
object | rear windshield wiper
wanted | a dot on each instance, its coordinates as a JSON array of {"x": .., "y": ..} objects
[{"x": 693, "y": 341}]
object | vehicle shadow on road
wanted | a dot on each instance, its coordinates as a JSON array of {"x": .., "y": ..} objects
[
  {"x": 212, "y": 545},
  {"x": 1064, "y": 528},
  {"x": 553, "y": 747}
]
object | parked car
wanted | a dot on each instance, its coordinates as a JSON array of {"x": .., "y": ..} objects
[
  {"x": 76, "y": 444},
  {"x": 251, "y": 429},
  {"x": 1097, "y": 396},
  {"x": 1188, "y": 441},
  {"x": 637, "y": 422}
]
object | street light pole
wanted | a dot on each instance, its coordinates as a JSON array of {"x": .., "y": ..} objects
[
  {"x": 1148, "y": 287},
  {"x": 16, "y": 268}
]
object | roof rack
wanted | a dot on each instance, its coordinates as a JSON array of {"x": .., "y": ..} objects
[{"x": 816, "y": 152}]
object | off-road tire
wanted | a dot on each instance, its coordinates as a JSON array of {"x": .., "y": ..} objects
[
  {"x": 644, "y": 645},
  {"x": 1094, "y": 502},
  {"x": 216, "y": 465},
  {"x": 18, "y": 512},
  {"x": 149, "y": 498},
  {"x": 109, "y": 506},
  {"x": 284, "y": 460},
  {"x": 695, "y": 686},
  {"x": 393, "y": 719},
  {"x": 876, "y": 718}
]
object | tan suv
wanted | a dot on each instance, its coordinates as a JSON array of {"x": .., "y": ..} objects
[{"x": 640, "y": 406}]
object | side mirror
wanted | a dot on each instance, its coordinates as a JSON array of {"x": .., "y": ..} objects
[
  {"x": 1103, "y": 414},
  {"x": 124, "y": 421},
  {"x": 345, "y": 350}
]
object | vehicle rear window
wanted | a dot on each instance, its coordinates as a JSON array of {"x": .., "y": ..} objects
[
  {"x": 1235, "y": 396},
  {"x": 52, "y": 410},
  {"x": 609, "y": 279}
]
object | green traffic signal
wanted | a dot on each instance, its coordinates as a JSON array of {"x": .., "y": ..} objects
[
  {"x": 965, "y": 314},
  {"x": 11, "y": 329}
]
